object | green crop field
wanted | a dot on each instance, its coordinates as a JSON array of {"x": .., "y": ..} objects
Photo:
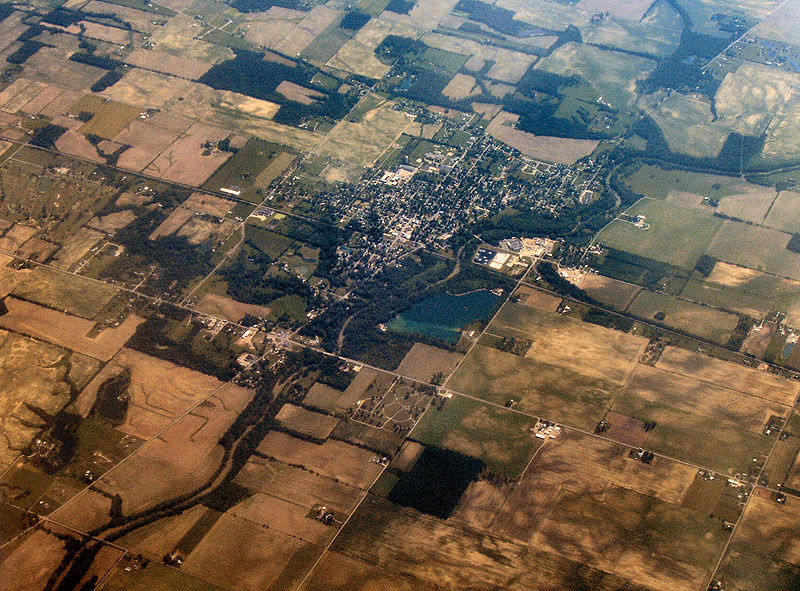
[
  {"x": 499, "y": 437},
  {"x": 676, "y": 235}
]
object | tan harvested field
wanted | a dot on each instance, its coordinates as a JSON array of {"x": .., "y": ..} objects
[
  {"x": 286, "y": 517},
  {"x": 8, "y": 277},
  {"x": 177, "y": 37},
  {"x": 730, "y": 375},
  {"x": 112, "y": 222},
  {"x": 403, "y": 542},
  {"x": 18, "y": 93},
  {"x": 155, "y": 90},
  {"x": 306, "y": 422},
  {"x": 210, "y": 204},
  {"x": 159, "y": 390},
  {"x": 234, "y": 311},
  {"x": 162, "y": 536},
  {"x": 358, "y": 54},
  {"x": 61, "y": 291},
  {"x": 15, "y": 237},
  {"x": 77, "y": 246},
  {"x": 537, "y": 299},
  {"x": 625, "y": 9},
  {"x": 509, "y": 66},
  {"x": 292, "y": 41},
  {"x": 361, "y": 143},
  {"x": 659, "y": 387},
  {"x": 764, "y": 552},
  {"x": 182, "y": 456},
  {"x": 66, "y": 331},
  {"x": 747, "y": 291},
  {"x": 423, "y": 362},
  {"x": 248, "y": 105},
  {"x": 578, "y": 346},
  {"x": 748, "y": 97},
  {"x": 110, "y": 117},
  {"x": 76, "y": 144},
  {"x": 703, "y": 321},
  {"x": 460, "y": 87},
  {"x": 37, "y": 249},
  {"x": 542, "y": 389},
  {"x": 172, "y": 223},
  {"x": 333, "y": 459},
  {"x": 299, "y": 94},
  {"x": 27, "y": 562},
  {"x": 785, "y": 212},
  {"x": 115, "y": 35},
  {"x": 92, "y": 511},
  {"x": 578, "y": 475},
  {"x": 264, "y": 558},
  {"x": 610, "y": 292},
  {"x": 146, "y": 141},
  {"x": 296, "y": 485},
  {"x": 186, "y": 161},
  {"x": 165, "y": 63},
  {"x": 697, "y": 422},
  {"x": 139, "y": 20},
  {"x": 37, "y": 373},
  {"x": 44, "y": 98},
  {"x": 337, "y": 572},
  {"x": 552, "y": 149}
]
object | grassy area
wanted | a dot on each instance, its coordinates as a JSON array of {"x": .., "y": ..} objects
[
  {"x": 675, "y": 235},
  {"x": 656, "y": 182},
  {"x": 701, "y": 321},
  {"x": 499, "y": 437},
  {"x": 539, "y": 388},
  {"x": 244, "y": 167}
]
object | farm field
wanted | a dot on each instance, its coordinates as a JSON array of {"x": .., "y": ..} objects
[
  {"x": 703, "y": 424},
  {"x": 38, "y": 374},
  {"x": 755, "y": 247},
  {"x": 731, "y": 375},
  {"x": 306, "y": 422},
  {"x": 613, "y": 293},
  {"x": 160, "y": 391},
  {"x": 60, "y": 291},
  {"x": 763, "y": 554},
  {"x": 66, "y": 331},
  {"x": 555, "y": 149},
  {"x": 688, "y": 317},
  {"x": 539, "y": 388},
  {"x": 784, "y": 215},
  {"x": 574, "y": 345},
  {"x": 660, "y": 183},
  {"x": 609, "y": 72},
  {"x": 334, "y": 459},
  {"x": 676, "y": 235},
  {"x": 423, "y": 362},
  {"x": 360, "y": 144},
  {"x": 746, "y": 291},
  {"x": 500, "y": 438}
]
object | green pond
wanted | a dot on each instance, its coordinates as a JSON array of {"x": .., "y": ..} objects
[{"x": 443, "y": 316}]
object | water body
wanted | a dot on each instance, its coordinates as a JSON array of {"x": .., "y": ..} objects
[{"x": 443, "y": 316}]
